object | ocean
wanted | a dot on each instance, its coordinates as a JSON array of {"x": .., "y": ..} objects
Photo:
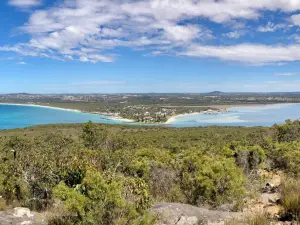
[
  {"x": 249, "y": 116},
  {"x": 20, "y": 116}
]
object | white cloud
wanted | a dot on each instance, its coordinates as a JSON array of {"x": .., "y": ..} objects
[
  {"x": 296, "y": 19},
  {"x": 182, "y": 33},
  {"x": 24, "y": 3},
  {"x": 270, "y": 27},
  {"x": 75, "y": 30},
  {"x": 285, "y": 74},
  {"x": 247, "y": 53},
  {"x": 296, "y": 37},
  {"x": 234, "y": 34}
]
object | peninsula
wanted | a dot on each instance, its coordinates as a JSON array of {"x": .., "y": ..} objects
[{"x": 150, "y": 108}]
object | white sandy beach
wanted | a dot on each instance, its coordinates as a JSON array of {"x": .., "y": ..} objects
[
  {"x": 122, "y": 119},
  {"x": 41, "y": 106},
  {"x": 173, "y": 118},
  {"x": 74, "y": 110}
]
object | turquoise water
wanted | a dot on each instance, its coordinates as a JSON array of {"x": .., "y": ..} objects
[
  {"x": 267, "y": 115},
  {"x": 16, "y": 116}
]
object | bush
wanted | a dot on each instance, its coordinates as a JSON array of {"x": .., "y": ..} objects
[
  {"x": 105, "y": 198},
  {"x": 249, "y": 158},
  {"x": 290, "y": 131},
  {"x": 210, "y": 179},
  {"x": 287, "y": 157}
]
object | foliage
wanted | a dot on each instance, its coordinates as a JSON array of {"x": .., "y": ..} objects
[
  {"x": 105, "y": 199},
  {"x": 286, "y": 156},
  {"x": 113, "y": 174},
  {"x": 249, "y": 158},
  {"x": 210, "y": 179}
]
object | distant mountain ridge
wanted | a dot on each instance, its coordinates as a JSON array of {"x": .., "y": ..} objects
[{"x": 216, "y": 93}]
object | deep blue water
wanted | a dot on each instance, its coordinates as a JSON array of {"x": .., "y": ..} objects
[
  {"x": 249, "y": 116},
  {"x": 16, "y": 116}
]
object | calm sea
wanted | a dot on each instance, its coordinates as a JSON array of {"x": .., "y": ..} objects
[
  {"x": 15, "y": 116},
  {"x": 267, "y": 115}
]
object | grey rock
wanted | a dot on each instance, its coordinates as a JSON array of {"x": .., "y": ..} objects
[
  {"x": 21, "y": 216},
  {"x": 21, "y": 212},
  {"x": 183, "y": 214},
  {"x": 270, "y": 199}
]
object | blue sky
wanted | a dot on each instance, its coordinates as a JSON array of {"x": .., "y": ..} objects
[{"x": 109, "y": 46}]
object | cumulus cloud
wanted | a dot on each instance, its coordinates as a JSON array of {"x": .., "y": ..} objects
[
  {"x": 75, "y": 30},
  {"x": 271, "y": 27},
  {"x": 234, "y": 34},
  {"x": 247, "y": 53},
  {"x": 24, "y": 3},
  {"x": 295, "y": 37},
  {"x": 296, "y": 19}
]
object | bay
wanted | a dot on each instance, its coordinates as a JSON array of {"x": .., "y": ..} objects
[
  {"x": 20, "y": 116},
  {"x": 249, "y": 116}
]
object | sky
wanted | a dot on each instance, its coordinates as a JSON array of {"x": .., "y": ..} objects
[{"x": 141, "y": 46}]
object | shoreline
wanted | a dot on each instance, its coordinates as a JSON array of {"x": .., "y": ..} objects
[
  {"x": 122, "y": 119},
  {"x": 41, "y": 106},
  {"x": 216, "y": 109},
  {"x": 116, "y": 118},
  {"x": 173, "y": 118}
]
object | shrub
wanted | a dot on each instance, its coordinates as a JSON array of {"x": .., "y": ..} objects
[
  {"x": 290, "y": 131},
  {"x": 249, "y": 158},
  {"x": 287, "y": 157},
  {"x": 211, "y": 179},
  {"x": 105, "y": 198}
]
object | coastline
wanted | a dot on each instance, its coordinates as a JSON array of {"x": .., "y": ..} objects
[
  {"x": 217, "y": 108},
  {"x": 73, "y": 110},
  {"x": 41, "y": 106},
  {"x": 173, "y": 118},
  {"x": 214, "y": 109},
  {"x": 122, "y": 119}
]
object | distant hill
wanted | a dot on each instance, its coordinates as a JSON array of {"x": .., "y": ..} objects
[{"x": 216, "y": 93}]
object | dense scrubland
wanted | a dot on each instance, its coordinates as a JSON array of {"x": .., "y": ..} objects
[{"x": 103, "y": 174}]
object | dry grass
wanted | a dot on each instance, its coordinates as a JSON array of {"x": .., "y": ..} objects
[
  {"x": 290, "y": 198},
  {"x": 258, "y": 219},
  {"x": 3, "y": 205}
]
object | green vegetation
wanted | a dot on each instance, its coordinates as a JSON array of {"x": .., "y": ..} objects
[{"x": 101, "y": 174}]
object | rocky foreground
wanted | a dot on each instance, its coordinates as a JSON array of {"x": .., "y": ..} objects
[{"x": 182, "y": 214}]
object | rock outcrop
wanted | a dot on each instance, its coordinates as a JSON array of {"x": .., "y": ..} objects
[
  {"x": 183, "y": 214},
  {"x": 21, "y": 216}
]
